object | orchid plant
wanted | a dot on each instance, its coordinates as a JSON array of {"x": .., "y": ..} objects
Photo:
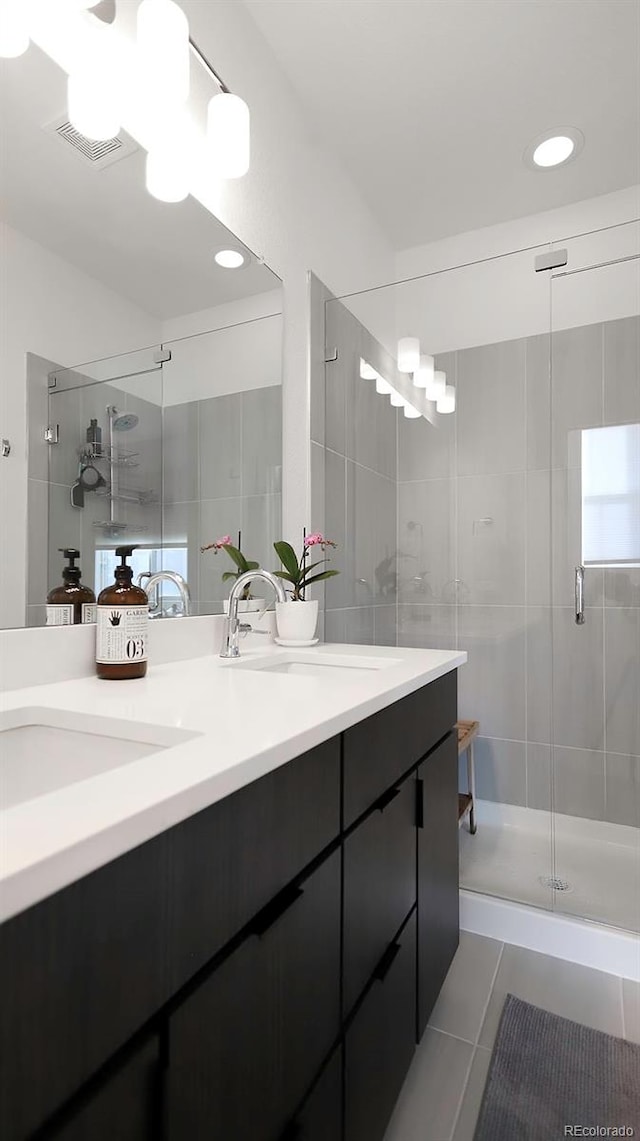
[
  {"x": 299, "y": 572},
  {"x": 235, "y": 554}
]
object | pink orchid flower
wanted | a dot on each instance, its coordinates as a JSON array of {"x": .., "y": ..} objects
[{"x": 316, "y": 539}]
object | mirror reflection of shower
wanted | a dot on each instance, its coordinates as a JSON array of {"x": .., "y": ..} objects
[{"x": 100, "y": 469}]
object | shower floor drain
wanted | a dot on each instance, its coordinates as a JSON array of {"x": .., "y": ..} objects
[{"x": 555, "y": 883}]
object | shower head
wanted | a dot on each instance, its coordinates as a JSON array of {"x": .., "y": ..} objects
[{"x": 122, "y": 422}]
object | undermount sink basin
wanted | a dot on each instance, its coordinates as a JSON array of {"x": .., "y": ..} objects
[
  {"x": 317, "y": 664},
  {"x": 42, "y": 750}
]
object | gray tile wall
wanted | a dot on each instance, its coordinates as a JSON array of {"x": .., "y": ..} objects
[
  {"x": 354, "y": 457},
  {"x": 222, "y": 473},
  {"x": 488, "y": 535}
]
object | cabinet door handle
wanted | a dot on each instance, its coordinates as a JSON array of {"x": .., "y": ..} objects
[
  {"x": 419, "y": 803},
  {"x": 275, "y": 910},
  {"x": 386, "y": 962},
  {"x": 386, "y": 799}
]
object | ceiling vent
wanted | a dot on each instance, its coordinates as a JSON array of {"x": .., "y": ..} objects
[{"x": 93, "y": 153}]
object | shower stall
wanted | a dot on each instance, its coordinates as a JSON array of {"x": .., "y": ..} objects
[
  {"x": 509, "y": 528},
  {"x": 164, "y": 448}
]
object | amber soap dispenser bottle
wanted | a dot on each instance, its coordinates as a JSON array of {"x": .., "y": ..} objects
[
  {"x": 72, "y": 603},
  {"x": 122, "y": 625}
]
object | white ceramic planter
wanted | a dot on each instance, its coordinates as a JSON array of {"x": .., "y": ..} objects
[
  {"x": 247, "y": 605},
  {"x": 297, "y": 621}
]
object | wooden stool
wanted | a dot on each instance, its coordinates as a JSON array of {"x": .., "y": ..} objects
[{"x": 467, "y": 731}]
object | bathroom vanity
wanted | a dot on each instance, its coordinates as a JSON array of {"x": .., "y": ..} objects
[{"x": 256, "y": 953}]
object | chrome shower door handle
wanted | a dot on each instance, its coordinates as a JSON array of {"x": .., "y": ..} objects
[{"x": 579, "y": 595}]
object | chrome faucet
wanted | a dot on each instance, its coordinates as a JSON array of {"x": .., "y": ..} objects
[
  {"x": 230, "y": 648},
  {"x": 166, "y": 576}
]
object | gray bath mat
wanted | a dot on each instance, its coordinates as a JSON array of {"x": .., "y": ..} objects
[{"x": 548, "y": 1073}]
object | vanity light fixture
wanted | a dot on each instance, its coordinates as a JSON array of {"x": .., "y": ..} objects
[
  {"x": 141, "y": 85},
  {"x": 396, "y": 399},
  {"x": 554, "y": 148},
  {"x": 163, "y": 59},
  {"x": 229, "y": 259},
  {"x": 423, "y": 375},
  {"x": 366, "y": 371},
  {"x": 228, "y": 134},
  {"x": 383, "y": 387},
  {"x": 447, "y": 403},
  {"x": 93, "y": 108},
  {"x": 435, "y": 388},
  {"x": 408, "y": 354},
  {"x": 14, "y": 29},
  {"x": 411, "y": 413}
]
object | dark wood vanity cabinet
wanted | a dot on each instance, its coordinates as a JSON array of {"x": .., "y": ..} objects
[
  {"x": 247, "y": 1044},
  {"x": 438, "y": 896},
  {"x": 258, "y": 971},
  {"x": 126, "y": 1105},
  {"x": 379, "y": 883},
  {"x": 380, "y": 1041}
]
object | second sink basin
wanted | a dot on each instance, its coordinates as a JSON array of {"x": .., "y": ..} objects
[
  {"x": 42, "y": 750},
  {"x": 317, "y": 664}
]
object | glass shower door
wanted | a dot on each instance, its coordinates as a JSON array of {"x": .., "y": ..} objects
[
  {"x": 105, "y": 471},
  {"x": 593, "y": 689}
]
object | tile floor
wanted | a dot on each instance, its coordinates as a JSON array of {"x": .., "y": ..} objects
[{"x": 441, "y": 1096}]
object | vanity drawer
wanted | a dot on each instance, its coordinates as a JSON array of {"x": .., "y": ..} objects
[
  {"x": 230, "y": 860},
  {"x": 82, "y": 972},
  {"x": 383, "y": 748},
  {"x": 380, "y": 1042},
  {"x": 245, "y": 1046},
  {"x": 320, "y": 1118},
  {"x": 379, "y": 884}
]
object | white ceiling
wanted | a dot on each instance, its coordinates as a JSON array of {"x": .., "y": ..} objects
[
  {"x": 157, "y": 255},
  {"x": 430, "y": 103}
]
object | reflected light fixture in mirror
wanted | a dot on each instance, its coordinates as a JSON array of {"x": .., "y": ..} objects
[
  {"x": 423, "y": 375},
  {"x": 411, "y": 413},
  {"x": 383, "y": 388},
  {"x": 408, "y": 354},
  {"x": 366, "y": 371},
  {"x": 435, "y": 388},
  {"x": 447, "y": 402},
  {"x": 396, "y": 399}
]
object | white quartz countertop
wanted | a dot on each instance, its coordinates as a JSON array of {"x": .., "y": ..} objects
[{"x": 245, "y": 724}]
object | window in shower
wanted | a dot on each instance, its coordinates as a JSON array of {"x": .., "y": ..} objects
[
  {"x": 143, "y": 559},
  {"x": 611, "y": 496}
]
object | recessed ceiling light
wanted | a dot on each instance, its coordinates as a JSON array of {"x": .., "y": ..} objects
[
  {"x": 554, "y": 148},
  {"x": 230, "y": 259}
]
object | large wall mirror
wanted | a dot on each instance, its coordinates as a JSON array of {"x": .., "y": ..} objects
[{"x": 141, "y": 379}]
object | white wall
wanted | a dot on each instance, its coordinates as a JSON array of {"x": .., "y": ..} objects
[
  {"x": 505, "y": 299},
  {"x": 50, "y": 308},
  {"x": 229, "y": 348}
]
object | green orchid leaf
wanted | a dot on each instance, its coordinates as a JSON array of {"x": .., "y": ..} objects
[
  {"x": 284, "y": 574},
  {"x": 320, "y": 577},
  {"x": 229, "y": 575},
  {"x": 306, "y": 570},
  {"x": 287, "y": 556},
  {"x": 236, "y": 555},
  {"x": 251, "y": 565}
]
